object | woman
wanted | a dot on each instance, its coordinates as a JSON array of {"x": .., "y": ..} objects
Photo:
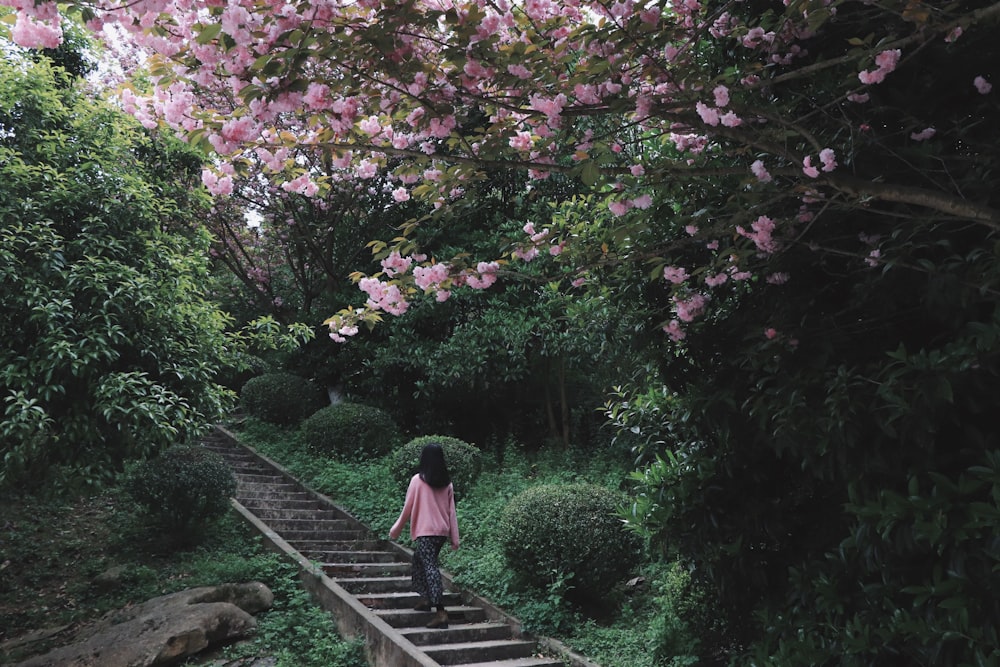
[{"x": 430, "y": 509}]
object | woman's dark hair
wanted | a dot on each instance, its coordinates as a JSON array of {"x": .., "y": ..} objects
[{"x": 433, "y": 469}]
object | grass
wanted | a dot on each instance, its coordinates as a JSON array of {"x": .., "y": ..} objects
[
  {"x": 635, "y": 626},
  {"x": 53, "y": 553}
]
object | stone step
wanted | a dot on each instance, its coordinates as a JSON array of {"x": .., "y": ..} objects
[
  {"x": 469, "y": 632},
  {"x": 375, "y": 584},
  {"x": 282, "y": 504},
  {"x": 284, "y": 514},
  {"x": 399, "y": 599},
  {"x": 263, "y": 479},
  {"x": 465, "y": 652},
  {"x": 326, "y": 543},
  {"x": 334, "y": 535},
  {"x": 358, "y": 570},
  {"x": 278, "y": 484},
  {"x": 533, "y": 661},
  {"x": 410, "y": 618},
  {"x": 305, "y": 524},
  {"x": 255, "y": 495},
  {"x": 348, "y": 557}
]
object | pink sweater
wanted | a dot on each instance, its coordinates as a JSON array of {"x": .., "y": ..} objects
[{"x": 430, "y": 511}]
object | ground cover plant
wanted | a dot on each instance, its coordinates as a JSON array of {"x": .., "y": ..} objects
[
  {"x": 54, "y": 551},
  {"x": 656, "y": 621}
]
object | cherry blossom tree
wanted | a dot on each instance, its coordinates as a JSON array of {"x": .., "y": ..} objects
[{"x": 779, "y": 105}]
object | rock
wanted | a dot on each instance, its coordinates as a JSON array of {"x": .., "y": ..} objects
[
  {"x": 164, "y": 630},
  {"x": 109, "y": 579}
]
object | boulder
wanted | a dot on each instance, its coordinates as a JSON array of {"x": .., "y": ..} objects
[{"x": 164, "y": 630}]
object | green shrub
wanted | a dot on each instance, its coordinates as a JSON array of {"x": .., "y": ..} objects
[
  {"x": 182, "y": 490},
  {"x": 351, "y": 431},
  {"x": 465, "y": 461},
  {"x": 568, "y": 531},
  {"x": 281, "y": 398}
]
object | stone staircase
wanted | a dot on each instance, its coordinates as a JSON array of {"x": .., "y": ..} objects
[{"x": 364, "y": 580}]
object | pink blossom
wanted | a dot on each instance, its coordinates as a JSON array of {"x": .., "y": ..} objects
[
  {"x": 721, "y": 94},
  {"x": 709, "y": 115},
  {"x": 730, "y": 119},
  {"x": 618, "y": 207},
  {"x": 302, "y": 185},
  {"x": 763, "y": 228},
  {"x": 828, "y": 158},
  {"x": 401, "y": 194},
  {"x": 637, "y": 170},
  {"x": 885, "y": 62},
  {"x": 760, "y": 171},
  {"x": 487, "y": 275},
  {"x": 873, "y": 257},
  {"x": 808, "y": 169},
  {"x": 642, "y": 201},
  {"x": 396, "y": 264},
  {"x": 982, "y": 85},
  {"x": 650, "y": 15},
  {"x": 770, "y": 333},
  {"x": 691, "y": 229},
  {"x": 675, "y": 274},
  {"x": 689, "y": 308},
  {"x": 215, "y": 185},
  {"x": 526, "y": 254},
  {"x": 924, "y": 134},
  {"x": 371, "y": 126},
  {"x": 426, "y": 277},
  {"x": 716, "y": 280},
  {"x": 384, "y": 296},
  {"x": 888, "y": 60},
  {"x": 520, "y": 71},
  {"x": 338, "y": 336},
  {"x": 586, "y": 94},
  {"x": 442, "y": 295},
  {"x": 674, "y": 330},
  {"x": 550, "y": 106},
  {"x": 858, "y": 98},
  {"x": 522, "y": 141},
  {"x": 33, "y": 34}
]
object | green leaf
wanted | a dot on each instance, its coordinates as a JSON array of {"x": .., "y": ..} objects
[{"x": 208, "y": 33}]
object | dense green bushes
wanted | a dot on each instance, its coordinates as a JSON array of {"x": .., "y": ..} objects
[
  {"x": 181, "y": 490},
  {"x": 464, "y": 461},
  {"x": 351, "y": 431},
  {"x": 280, "y": 397},
  {"x": 560, "y": 531},
  {"x": 109, "y": 342}
]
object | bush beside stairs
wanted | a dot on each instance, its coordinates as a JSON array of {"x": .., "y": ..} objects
[{"x": 364, "y": 582}]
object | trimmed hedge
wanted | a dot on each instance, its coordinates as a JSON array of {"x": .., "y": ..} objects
[
  {"x": 569, "y": 532},
  {"x": 281, "y": 398},
  {"x": 464, "y": 461},
  {"x": 351, "y": 431},
  {"x": 182, "y": 490}
]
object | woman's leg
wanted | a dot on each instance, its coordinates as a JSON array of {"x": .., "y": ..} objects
[
  {"x": 429, "y": 575},
  {"x": 426, "y": 573}
]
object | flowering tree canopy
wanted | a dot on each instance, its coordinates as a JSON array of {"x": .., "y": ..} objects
[{"x": 747, "y": 123}]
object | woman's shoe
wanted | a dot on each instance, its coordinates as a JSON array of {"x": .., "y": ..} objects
[{"x": 440, "y": 620}]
